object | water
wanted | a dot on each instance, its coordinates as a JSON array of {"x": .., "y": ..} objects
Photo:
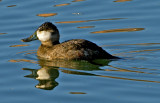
[{"x": 125, "y": 28}]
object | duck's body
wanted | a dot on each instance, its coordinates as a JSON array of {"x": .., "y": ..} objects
[
  {"x": 51, "y": 49},
  {"x": 73, "y": 49}
]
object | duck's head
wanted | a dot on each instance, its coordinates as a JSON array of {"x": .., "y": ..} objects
[{"x": 46, "y": 33}]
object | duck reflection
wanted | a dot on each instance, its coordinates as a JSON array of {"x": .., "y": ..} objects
[
  {"x": 46, "y": 77},
  {"x": 49, "y": 70},
  {"x": 75, "y": 64}
]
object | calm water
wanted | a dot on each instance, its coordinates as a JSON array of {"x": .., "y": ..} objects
[{"x": 125, "y": 28}]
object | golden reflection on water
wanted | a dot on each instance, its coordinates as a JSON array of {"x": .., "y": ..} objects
[
  {"x": 65, "y": 4},
  {"x": 77, "y": 93},
  {"x": 23, "y": 60},
  {"x": 47, "y": 14},
  {"x": 81, "y": 21},
  {"x": 62, "y": 4},
  {"x": 86, "y": 27},
  {"x": 20, "y": 45},
  {"x": 2, "y": 33},
  {"x": 11, "y": 5},
  {"x": 28, "y": 52},
  {"x": 121, "y": 0},
  {"x": 78, "y": 0},
  {"x": 119, "y": 30}
]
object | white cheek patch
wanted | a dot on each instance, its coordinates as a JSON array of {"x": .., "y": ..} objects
[
  {"x": 44, "y": 35},
  {"x": 42, "y": 74}
]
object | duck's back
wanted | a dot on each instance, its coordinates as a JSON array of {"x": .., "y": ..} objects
[{"x": 74, "y": 49}]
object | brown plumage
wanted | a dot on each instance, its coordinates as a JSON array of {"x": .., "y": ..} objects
[{"x": 73, "y": 49}]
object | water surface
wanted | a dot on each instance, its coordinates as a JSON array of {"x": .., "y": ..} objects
[{"x": 125, "y": 28}]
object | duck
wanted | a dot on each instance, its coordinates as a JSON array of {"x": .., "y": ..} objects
[{"x": 74, "y": 49}]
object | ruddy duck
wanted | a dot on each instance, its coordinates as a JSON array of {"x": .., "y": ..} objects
[{"x": 75, "y": 49}]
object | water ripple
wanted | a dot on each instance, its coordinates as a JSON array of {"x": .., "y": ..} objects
[{"x": 126, "y": 28}]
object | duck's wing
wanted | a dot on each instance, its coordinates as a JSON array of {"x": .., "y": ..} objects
[{"x": 84, "y": 49}]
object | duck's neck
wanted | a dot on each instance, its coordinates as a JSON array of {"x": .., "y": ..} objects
[{"x": 50, "y": 43}]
